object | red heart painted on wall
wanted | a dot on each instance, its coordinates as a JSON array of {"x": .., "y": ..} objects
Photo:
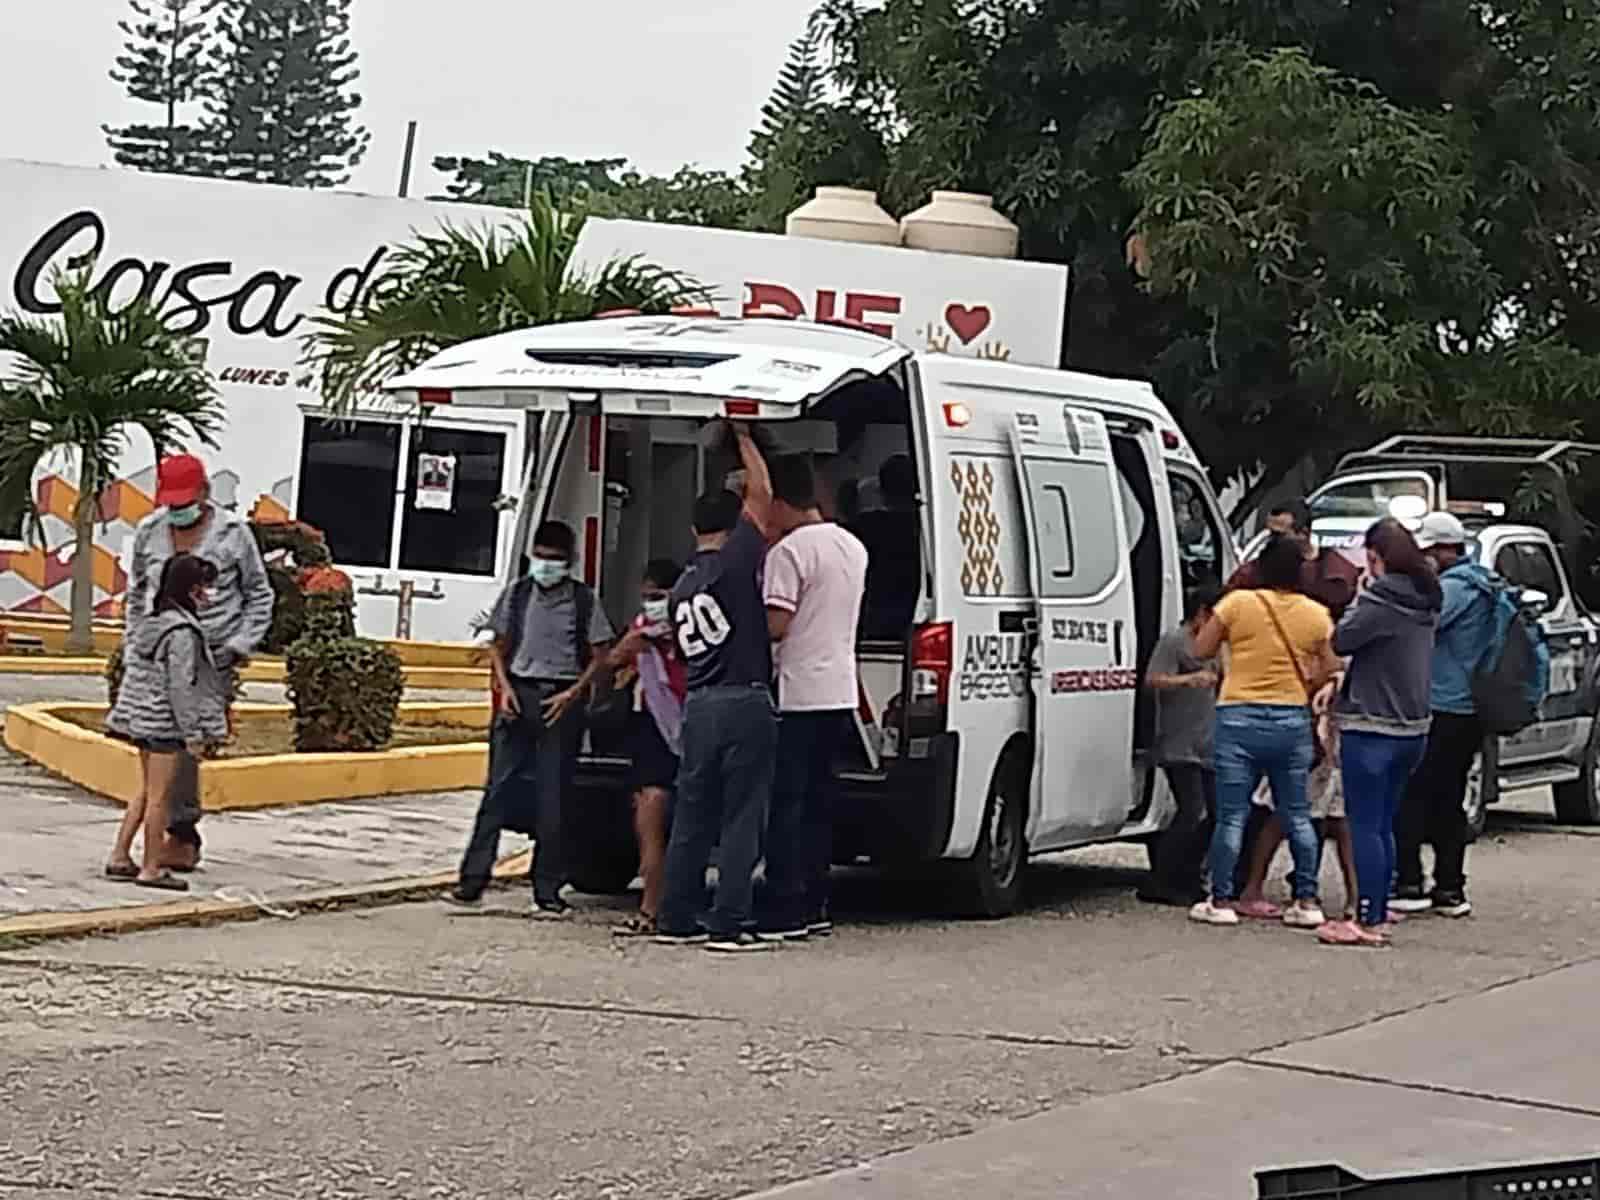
[{"x": 968, "y": 322}]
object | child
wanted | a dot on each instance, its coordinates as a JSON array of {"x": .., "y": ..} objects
[
  {"x": 1186, "y": 704},
  {"x": 173, "y": 702},
  {"x": 648, "y": 654}
]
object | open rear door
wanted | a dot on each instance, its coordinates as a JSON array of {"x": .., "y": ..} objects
[{"x": 1078, "y": 559}]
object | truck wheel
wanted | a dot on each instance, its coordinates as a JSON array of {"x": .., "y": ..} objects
[
  {"x": 602, "y": 853},
  {"x": 992, "y": 878},
  {"x": 606, "y": 874},
  {"x": 1475, "y": 802},
  {"x": 1578, "y": 801}
]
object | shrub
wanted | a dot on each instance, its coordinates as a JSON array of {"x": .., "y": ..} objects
[
  {"x": 345, "y": 690},
  {"x": 291, "y": 549}
]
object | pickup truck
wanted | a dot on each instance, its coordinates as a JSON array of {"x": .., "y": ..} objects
[{"x": 1410, "y": 476}]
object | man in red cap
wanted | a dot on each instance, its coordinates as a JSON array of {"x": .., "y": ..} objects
[{"x": 236, "y": 615}]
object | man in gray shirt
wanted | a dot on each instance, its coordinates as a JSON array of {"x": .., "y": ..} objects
[
  {"x": 550, "y": 639},
  {"x": 1186, "y": 709}
]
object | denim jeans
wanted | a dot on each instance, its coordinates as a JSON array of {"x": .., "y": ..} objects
[
  {"x": 799, "y": 844},
  {"x": 1255, "y": 740},
  {"x": 730, "y": 739},
  {"x": 531, "y": 767},
  {"x": 1376, "y": 768}
]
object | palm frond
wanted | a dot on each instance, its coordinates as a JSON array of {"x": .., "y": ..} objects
[{"x": 463, "y": 283}]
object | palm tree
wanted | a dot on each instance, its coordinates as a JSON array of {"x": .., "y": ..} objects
[
  {"x": 79, "y": 382},
  {"x": 461, "y": 284}
]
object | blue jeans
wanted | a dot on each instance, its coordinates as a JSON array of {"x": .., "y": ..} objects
[
  {"x": 730, "y": 741},
  {"x": 1255, "y": 740},
  {"x": 1376, "y": 768}
]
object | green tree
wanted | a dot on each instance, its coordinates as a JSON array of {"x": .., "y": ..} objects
[
  {"x": 80, "y": 384},
  {"x": 459, "y": 284},
  {"x": 512, "y": 182},
  {"x": 282, "y": 101},
  {"x": 164, "y": 63}
]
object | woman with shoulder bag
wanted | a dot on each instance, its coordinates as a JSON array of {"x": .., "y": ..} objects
[
  {"x": 1382, "y": 713},
  {"x": 1280, "y": 657}
]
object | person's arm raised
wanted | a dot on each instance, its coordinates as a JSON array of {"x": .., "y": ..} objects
[{"x": 757, "y": 480}]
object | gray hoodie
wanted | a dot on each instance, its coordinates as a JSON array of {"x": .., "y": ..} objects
[
  {"x": 1388, "y": 636},
  {"x": 171, "y": 688}
]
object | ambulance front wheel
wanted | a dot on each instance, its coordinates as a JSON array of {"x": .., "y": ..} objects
[{"x": 992, "y": 877}]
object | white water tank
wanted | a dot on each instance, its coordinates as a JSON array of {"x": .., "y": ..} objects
[
  {"x": 960, "y": 223},
  {"x": 842, "y": 214}
]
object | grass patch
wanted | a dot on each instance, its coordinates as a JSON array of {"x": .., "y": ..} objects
[{"x": 262, "y": 735}]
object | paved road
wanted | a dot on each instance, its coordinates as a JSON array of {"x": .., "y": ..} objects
[{"x": 407, "y": 1052}]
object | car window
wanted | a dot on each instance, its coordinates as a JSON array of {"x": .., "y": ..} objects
[
  {"x": 1200, "y": 539},
  {"x": 1531, "y": 565}
]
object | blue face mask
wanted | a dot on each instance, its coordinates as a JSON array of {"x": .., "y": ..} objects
[
  {"x": 186, "y": 516},
  {"x": 548, "y": 572}
]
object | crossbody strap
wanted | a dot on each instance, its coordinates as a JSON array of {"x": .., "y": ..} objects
[{"x": 1294, "y": 659}]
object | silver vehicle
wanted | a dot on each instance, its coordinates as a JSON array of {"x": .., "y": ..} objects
[{"x": 1412, "y": 475}]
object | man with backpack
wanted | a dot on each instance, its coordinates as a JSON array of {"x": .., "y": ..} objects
[{"x": 1489, "y": 668}]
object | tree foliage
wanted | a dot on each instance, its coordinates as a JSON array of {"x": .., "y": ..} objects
[
  {"x": 459, "y": 284},
  {"x": 164, "y": 64},
  {"x": 1308, "y": 287},
  {"x": 79, "y": 384},
  {"x": 281, "y": 99}
]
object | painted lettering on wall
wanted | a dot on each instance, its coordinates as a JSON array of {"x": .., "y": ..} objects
[
  {"x": 189, "y": 295},
  {"x": 994, "y": 666},
  {"x": 775, "y": 300},
  {"x": 1094, "y": 679}
]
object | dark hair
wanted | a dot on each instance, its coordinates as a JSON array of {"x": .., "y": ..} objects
[
  {"x": 179, "y": 577},
  {"x": 1392, "y": 542},
  {"x": 717, "y": 511},
  {"x": 1278, "y": 564},
  {"x": 793, "y": 480},
  {"x": 898, "y": 477},
  {"x": 1199, "y": 598},
  {"x": 663, "y": 572},
  {"x": 556, "y": 535},
  {"x": 1298, "y": 512}
]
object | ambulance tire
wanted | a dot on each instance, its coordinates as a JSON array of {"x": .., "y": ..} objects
[
  {"x": 605, "y": 874},
  {"x": 991, "y": 880}
]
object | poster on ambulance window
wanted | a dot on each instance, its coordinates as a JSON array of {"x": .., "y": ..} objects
[{"x": 436, "y": 481}]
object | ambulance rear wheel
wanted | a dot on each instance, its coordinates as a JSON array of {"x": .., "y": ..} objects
[{"x": 992, "y": 878}]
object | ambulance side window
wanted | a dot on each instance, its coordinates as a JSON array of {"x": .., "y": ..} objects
[
  {"x": 1530, "y": 565},
  {"x": 1200, "y": 541},
  {"x": 1077, "y": 547}
]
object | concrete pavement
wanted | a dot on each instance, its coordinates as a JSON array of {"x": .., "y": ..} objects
[{"x": 1091, "y": 1046}]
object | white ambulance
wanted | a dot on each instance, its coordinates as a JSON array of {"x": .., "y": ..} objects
[{"x": 1056, "y": 521}]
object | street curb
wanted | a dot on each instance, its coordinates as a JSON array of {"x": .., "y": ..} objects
[
  {"x": 262, "y": 670},
  {"x": 110, "y": 767},
  {"x": 49, "y": 926}
]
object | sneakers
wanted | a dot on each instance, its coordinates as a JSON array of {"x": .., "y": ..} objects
[
  {"x": 1298, "y": 916},
  {"x": 736, "y": 943},
  {"x": 1209, "y": 913},
  {"x": 696, "y": 937},
  {"x": 549, "y": 910},
  {"x": 788, "y": 933},
  {"x": 820, "y": 926},
  {"x": 1410, "y": 900},
  {"x": 459, "y": 899},
  {"x": 1448, "y": 904}
]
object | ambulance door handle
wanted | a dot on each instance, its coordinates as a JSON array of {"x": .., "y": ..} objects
[{"x": 1116, "y": 642}]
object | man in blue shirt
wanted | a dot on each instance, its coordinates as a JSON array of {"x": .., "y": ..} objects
[
  {"x": 1432, "y": 808},
  {"x": 730, "y": 727}
]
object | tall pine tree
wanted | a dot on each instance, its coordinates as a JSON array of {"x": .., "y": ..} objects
[
  {"x": 282, "y": 100},
  {"x": 164, "y": 63}
]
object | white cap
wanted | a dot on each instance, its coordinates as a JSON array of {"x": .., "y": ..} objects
[{"x": 1441, "y": 529}]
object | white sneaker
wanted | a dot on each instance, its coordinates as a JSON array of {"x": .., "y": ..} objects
[
  {"x": 1410, "y": 904},
  {"x": 1299, "y": 917},
  {"x": 1208, "y": 913}
]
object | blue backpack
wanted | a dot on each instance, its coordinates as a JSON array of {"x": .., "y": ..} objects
[{"x": 1509, "y": 682}]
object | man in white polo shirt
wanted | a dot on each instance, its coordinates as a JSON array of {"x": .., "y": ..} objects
[{"x": 815, "y": 577}]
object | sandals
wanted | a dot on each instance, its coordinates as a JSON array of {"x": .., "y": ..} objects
[
  {"x": 122, "y": 871},
  {"x": 1348, "y": 933},
  {"x": 638, "y": 925},
  {"x": 164, "y": 882}
]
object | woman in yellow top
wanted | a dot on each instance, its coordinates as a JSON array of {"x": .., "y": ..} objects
[{"x": 1280, "y": 656}]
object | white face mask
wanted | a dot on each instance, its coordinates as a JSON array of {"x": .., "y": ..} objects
[
  {"x": 548, "y": 572},
  {"x": 656, "y": 611}
]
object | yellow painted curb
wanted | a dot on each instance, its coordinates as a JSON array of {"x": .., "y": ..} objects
[
  {"x": 46, "y": 925},
  {"x": 111, "y": 768},
  {"x": 261, "y": 670}
]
